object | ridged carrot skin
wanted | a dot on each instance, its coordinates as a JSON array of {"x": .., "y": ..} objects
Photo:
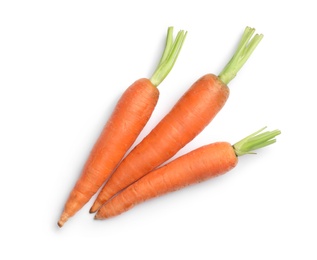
[
  {"x": 131, "y": 113},
  {"x": 190, "y": 115},
  {"x": 196, "y": 166},
  {"x": 199, "y": 165}
]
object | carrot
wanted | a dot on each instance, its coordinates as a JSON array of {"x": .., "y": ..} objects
[
  {"x": 190, "y": 115},
  {"x": 196, "y": 166},
  {"x": 129, "y": 117}
]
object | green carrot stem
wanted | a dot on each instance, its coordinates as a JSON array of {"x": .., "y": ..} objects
[
  {"x": 244, "y": 50},
  {"x": 168, "y": 44},
  {"x": 169, "y": 56},
  {"x": 255, "y": 141}
]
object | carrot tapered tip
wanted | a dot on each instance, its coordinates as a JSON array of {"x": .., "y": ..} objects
[
  {"x": 62, "y": 220},
  {"x": 97, "y": 217},
  {"x": 95, "y": 207},
  {"x": 92, "y": 210}
]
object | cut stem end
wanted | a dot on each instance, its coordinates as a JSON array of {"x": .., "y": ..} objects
[
  {"x": 255, "y": 141},
  {"x": 169, "y": 57},
  {"x": 244, "y": 50}
]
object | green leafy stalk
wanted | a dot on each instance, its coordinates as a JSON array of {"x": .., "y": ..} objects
[
  {"x": 169, "y": 56},
  {"x": 255, "y": 141},
  {"x": 244, "y": 50}
]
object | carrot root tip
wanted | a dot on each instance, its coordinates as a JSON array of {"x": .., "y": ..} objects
[
  {"x": 92, "y": 210},
  {"x": 95, "y": 207},
  {"x": 62, "y": 220},
  {"x": 97, "y": 217}
]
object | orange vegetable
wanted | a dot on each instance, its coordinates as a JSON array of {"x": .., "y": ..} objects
[
  {"x": 191, "y": 114},
  {"x": 196, "y": 166},
  {"x": 129, "y": 117}
]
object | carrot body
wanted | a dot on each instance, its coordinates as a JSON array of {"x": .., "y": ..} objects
[
  {"x": 130, "y": 115},
  {"x": 201, "y": 164},
  {"x": 196, "y": 166},
  {"x": 190, "y": 115}
]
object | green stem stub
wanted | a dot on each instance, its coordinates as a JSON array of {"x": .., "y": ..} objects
[
  {"x": 244, "y": 50},
  {"x": 170, "y": 54},
  {"x": 255, "y": 141}
]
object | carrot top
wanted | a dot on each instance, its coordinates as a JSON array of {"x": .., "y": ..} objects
[
  {"x": 244, "y": 50},
  {"x": 170, "y": 54},
  {"x": 255, "y": 141}
]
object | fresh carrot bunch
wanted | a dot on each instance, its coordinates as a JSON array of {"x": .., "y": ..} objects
[
  {"x": 139, "y": 177},
  {"x": 189, "y": 116}
]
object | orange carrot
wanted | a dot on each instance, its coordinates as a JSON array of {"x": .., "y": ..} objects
[
  {"x": 196, "y": 166},
  {"x": 129, "y": 117},
  {"x": 190, "y": 115}
]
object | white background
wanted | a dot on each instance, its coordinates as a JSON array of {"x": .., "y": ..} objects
[{"x": 63, "y": 66}]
